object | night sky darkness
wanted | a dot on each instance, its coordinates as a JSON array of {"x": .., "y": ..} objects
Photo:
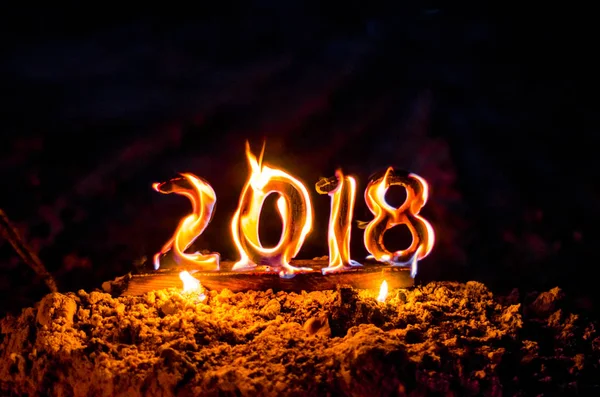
[{"x": 492, "y": 107}]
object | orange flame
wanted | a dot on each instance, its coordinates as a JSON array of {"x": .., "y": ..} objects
[
  {"x": 383, "y": 291},
  {"x": 294, "y": 207},
  {"x": 386, "y": 217},
  {"x": 203, "y": 199},
  {"x": 342, "y": 190},
  {"x": 190, "y": 283}
]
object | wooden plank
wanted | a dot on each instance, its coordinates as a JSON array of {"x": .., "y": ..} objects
[{"x": 370, "y": 276}]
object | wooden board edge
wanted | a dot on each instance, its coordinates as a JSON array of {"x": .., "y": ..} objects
[{"x": 367, "y": 277}]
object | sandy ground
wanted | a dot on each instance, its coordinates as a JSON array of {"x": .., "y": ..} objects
[{"x": 449, "y": 338}]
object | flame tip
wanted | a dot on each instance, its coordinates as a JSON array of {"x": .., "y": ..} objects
[{"x": 262, "y": 153}]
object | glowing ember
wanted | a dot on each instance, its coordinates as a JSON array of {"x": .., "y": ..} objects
[
  {"x": 342, "y": 190},
  {"x": 294, "y": 207},
  {"x": 203, "y": 199},
  {"x": 383, "y": 291},
  {"x": 386, "y": 217}
]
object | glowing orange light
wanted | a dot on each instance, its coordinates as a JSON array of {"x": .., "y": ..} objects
[
  {"x": 203, "y": 199},
  {"x": 294, "y": 207},
  {"x": 383, "y": 291},
  {"x": 342, "y": 190},
  {"x": 386, "y": 217},
  {"x": 190, "y": 283}
]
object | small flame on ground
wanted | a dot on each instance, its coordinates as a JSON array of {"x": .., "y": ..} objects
[
  {"x": 383, "y": 292},
  {"x": 190, "y": 283}
]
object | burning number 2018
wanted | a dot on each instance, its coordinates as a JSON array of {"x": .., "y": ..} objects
[{"x": 295, "y": 209}]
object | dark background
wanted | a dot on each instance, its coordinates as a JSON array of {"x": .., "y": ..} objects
[{"x": 495, "y": 108}]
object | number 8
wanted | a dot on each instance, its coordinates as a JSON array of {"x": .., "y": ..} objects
[{"x": 387, "y": 217}]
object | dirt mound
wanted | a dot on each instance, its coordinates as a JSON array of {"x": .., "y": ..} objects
[{"x": 448, "y": 338}]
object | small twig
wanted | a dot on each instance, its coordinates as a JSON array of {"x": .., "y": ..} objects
[{"x": 10, "y": 233}]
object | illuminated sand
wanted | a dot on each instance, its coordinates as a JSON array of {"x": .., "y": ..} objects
[{"x": 444, "y": 337}]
